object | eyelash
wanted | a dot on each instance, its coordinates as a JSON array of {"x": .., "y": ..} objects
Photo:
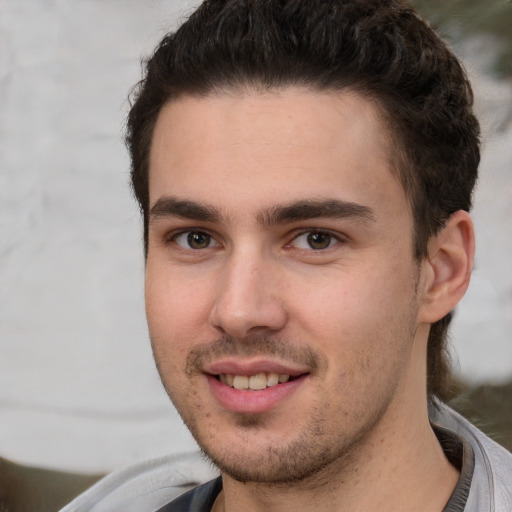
[
  {"x": 333, "y": 239},
  {"x": 173, "y": 238}
]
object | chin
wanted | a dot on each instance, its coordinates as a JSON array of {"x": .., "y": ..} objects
[{"x": 272, "y": 464}]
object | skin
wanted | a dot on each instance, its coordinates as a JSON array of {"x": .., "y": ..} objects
[{"x": 350, "y": 315}]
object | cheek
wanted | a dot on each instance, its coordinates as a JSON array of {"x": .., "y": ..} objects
[
  {"x": 173, "y": 300},
  {"x": 176, "y": 316},
  {"x": 359, "y": 315}
]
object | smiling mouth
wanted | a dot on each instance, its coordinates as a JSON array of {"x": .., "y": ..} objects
[{"x": 256, "y": 382}]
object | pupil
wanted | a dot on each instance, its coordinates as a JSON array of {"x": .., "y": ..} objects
[
  {"x": 198, "y": 240},
  {"x": 319, "y": 240}
]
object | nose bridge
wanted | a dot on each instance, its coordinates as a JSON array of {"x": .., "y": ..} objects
[{"x": 247, "y": 299}]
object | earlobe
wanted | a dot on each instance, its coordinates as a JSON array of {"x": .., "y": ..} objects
[{"x": 447, "y": 270}]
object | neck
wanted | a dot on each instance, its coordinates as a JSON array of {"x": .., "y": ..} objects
[{"x": 402, "y": 472}]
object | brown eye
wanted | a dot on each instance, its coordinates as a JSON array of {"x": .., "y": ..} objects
[
  {"x": 198, "y": 240},
  {"x": 318, "y": 240},
  {"x": 315, "y": 240},
  {"x": 194, "y": 240}
]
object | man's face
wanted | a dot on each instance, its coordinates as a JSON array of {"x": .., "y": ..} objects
[{"x": 280, "y": 249}]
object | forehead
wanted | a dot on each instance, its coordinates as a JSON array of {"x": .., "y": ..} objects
[{"x": 259, "y": 148}]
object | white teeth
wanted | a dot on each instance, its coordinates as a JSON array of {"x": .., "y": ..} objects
[
  {"x": 258, "y": 382},
  {"x": 272, "y": 379},
  {"x": 254, "y": 382},
  {"x": 241, "y": 382}
]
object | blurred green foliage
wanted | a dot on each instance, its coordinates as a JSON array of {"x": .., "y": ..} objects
[
  {"x": 459, "y": 19},
  {"x": 489, "y": 407}
]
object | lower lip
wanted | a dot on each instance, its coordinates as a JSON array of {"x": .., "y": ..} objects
[{"x": 252, "y": 402}]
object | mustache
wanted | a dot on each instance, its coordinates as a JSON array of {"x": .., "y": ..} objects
[{"x": 205, "y": 353}]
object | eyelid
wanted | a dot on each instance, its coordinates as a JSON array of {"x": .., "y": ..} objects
[
  {"x": 172, "y": 236},
  {"x": 338, "y": 237}
]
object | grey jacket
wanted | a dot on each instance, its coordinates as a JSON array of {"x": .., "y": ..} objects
[
  {"x": 148, "y": 486},
  {"x": 491, "y": 485}
]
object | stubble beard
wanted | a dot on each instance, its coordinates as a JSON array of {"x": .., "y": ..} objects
[
  {"x": 311, "y": 460},
  {"x": 316, "y": 453}
]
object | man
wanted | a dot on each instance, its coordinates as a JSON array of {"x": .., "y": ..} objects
[{"x": 305, "y": 171}]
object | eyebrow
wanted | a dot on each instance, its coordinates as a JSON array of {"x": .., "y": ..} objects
[
  {"x": 315, "y": 209},
  {"x": 172, "y": 207},
  {"x": 280, "y": 214}
]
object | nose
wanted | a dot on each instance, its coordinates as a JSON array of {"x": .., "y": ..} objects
[{"x": 248, "y": 300}]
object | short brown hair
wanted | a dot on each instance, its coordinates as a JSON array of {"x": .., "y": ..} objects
[{"x": 378, "y": 48}]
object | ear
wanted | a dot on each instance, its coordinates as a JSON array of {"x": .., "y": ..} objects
[{"x": 447, "y": 270}]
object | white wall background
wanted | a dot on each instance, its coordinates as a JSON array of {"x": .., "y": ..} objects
[{"x": 78, "y": 389}]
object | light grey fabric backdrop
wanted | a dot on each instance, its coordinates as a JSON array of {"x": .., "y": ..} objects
[{"x": 78, "y": 389}]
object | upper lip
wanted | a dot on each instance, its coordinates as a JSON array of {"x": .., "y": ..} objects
[{"x": 253, "y": 367}]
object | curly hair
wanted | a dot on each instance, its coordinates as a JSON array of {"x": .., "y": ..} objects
[{"x": 380, "y": 49}]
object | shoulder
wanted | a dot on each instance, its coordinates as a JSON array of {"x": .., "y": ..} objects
[
  {"x": 199, "y": 499},
  {"x": 491, "y": 485},
  {"x": 146, "y": 486}
]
